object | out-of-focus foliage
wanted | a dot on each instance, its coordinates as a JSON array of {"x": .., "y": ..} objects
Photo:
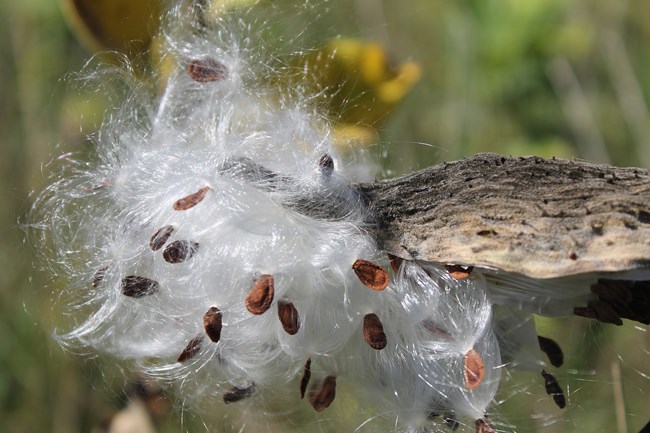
[{"x": 546, "y": 77}]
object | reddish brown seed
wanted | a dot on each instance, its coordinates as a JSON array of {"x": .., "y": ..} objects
[
  {"x": 458, "y": 272},
  {"x": 395, "y": 262},
  {"x": 306, "y": 375},
  {"x": 261, "y": 295},
  {"x": 321, "y": 398},
  {"x": 98, "y": 186},
  {"x": 98, "y": 276},
  {"x": 436, "y": 331},
  {"x": 370, "y": 274},
  {"x": 552, "y": 350},
  {"x": 484, "y": 426},
  {"x": 235, "y": 394},
  {"x": 289, "y": 317},
  {"x": 207, "y": 70},
  {"x": 326, "y": 165},
  {"x": 373, "y": 332},
  {"x": 160, "y": 237},
  {"x": 474, "y": 369},
  {"x": 554, "y": 389},
  {"x": 135, "y": 286},
  {"x": 212, "y": 323},
  {"x": 191, "y": 200},
  {"x": 191, "y": 349},
  {"x": 179, "y": 251}
]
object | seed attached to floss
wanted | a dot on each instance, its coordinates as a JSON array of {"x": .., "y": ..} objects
[
  {"x": 235, "y": 394},
  {"x": 160, "y": 237},
  {"x": 179, "y": 251},
  {"x": 373, "y": 332},
  {"x": 135, "y": 286},
  {"x": 321, "y": 398},
  {"x": 212, "y": 324},
  {"x": 207, "y": 70},
  {"x": 370, "y": 274},
  {"x": 261, "y": 295},
  {"x": 98, "y": 276},
  {"x": 474, "y": 369},
  {"x": 191, "y": 349},
  {"x": 326, "y": 165},
  {"x": 458, "y": 272},
  {"x": 395, "y": 262},
  {"x": 289, "y": 317},
  {"x": 554, "y": 389},
  {"x": 191, "y": 200},
  {"x": 484, "y": 426},
  {"x": 306, "y": 375},
  {"x": 552, "y": 350}
]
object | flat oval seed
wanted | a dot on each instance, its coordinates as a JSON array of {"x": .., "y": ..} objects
[
  {"x": 261, "y": 295},
  {"x": 373, "y": 332},
  {"x": 212, "y": 323},
  {"x": 160, "y": 237},
  {"x": 484, "y": 426},
  {"x": 235, "y": 394},
  {"x": 134, "y": 286},
  {"x": 306, "y": 375},
  {"x": 552, "y": 350},
  {"x": 191, "y": 200},
  {"x": 458, "y": 272},
  {"x": 395, "y": 262},
  {"x": 289, "y": 317},
  {"x": 370, "y": 274},
  {"x": 474, "y": 369},
  {"x": 207, "y": 70},
  {"x": 553, "y": 389},
  {"x": 98, "y": 276},
  {"x": 321, "y": 399},
  {"x": 179, "y": 251},
  {"x": 191, "y": 349},
  {"x": 326, "y": 165}
]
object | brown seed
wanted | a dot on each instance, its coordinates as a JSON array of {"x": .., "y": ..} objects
[
  {"x": 553, "y": 389},
  {"x": 212, "y": 323},
  {"x": 370, "y": 274},
  {"x": 261, "y": 295},
  {"x": 207, "y": 70},
  {"x": 320, "y": 399},
  {"x": 436, "y": 331},
  {"x": 98, "y": 186},
  {"x": 179, "y": 251},
  {"x": 134, "y": 286},
  {"x": 484, "y": 426},
  {"x": 235, "y": 394},
  {"x": 458, "y": 272},
  {"x": 373, "y": 332},
  {"x": 306, "y": 375},
  {"x": 552, "y": 350},
  {"x": 160, "y": 237},
  {"x": 191, "y": 200},
  {"x": 395, "y": 262},
  {"x": 98, "y": 276},
  {"x": 474, "y": 369},
  {"x": 289, "y": 317},
  {"x": 191, "y": 349},
  {"x": 326, "y": 165}
]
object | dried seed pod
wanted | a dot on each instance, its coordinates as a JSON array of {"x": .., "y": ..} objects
[
  {"x": 289, "y": 317},
  {"x": 395, "y": 262},
  {"x": 98, "y": 276},
  {"x": 207, "y": 70},
  {"x": 191, "y": 200},
  {"x": 373, "y": 332},
  {"x": 553, "y": 389},
  {"x": 191, "y": 349},
  {"x": 306, "y": 375},
  {"x": 326, "y": 165},
  {"x": 552, "y": 350},
  {"x": 321, "y": 398},
  {"x": 179, "y": 251},
  {"x": 458, "y": 272},
  {"x": 212, "y": 324},
  {"x": 261, "y": 295},
  {"x": 135, "y": 286},
  {"x": 160, "y": 237},
  {"x": 370, "y": 274},
  {"x": 474, "y": 369},
  {"x": 484, "y": 426},
  {"x": 235, "y": 394}
]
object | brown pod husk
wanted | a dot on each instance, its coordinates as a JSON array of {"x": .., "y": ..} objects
[{"x": 261, "y": 295}]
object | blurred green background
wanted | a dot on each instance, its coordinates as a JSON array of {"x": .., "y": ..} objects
[{"x": 546, "y": 77}]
